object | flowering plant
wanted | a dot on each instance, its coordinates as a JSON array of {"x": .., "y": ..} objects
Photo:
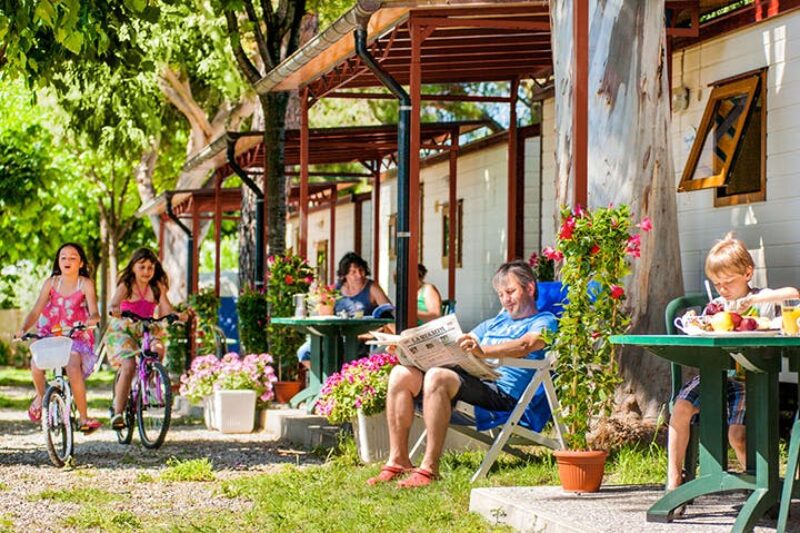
[
  {"x": 288, "y": 275},
  {"x": 251, "y": 372},
  {"x": 320, "y": 294},
  {"x": 360, "y": 385},
  {"x": 595, "y": 249},
  {"x": 543, "y": 266}
]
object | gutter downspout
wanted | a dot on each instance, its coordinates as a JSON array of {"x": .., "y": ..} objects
[
  {"x": 403, "y": 149},
  {"x": 253, "y": 186},
  {"x": 189, "y": 271}
]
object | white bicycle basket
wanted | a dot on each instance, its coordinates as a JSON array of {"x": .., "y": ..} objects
[{"x": 51, "y": 352}]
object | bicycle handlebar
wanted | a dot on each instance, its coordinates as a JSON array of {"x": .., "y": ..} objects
[
  {"x": 73, "y": 329},
  {"x": 172, "y": 317}
]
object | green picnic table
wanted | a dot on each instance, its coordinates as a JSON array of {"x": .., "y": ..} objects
[
  {"x": 328, "y": 354},
  {"x": 760, "y": 357}
]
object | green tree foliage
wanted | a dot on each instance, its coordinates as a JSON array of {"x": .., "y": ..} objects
[{"x": 38, "y": 36}]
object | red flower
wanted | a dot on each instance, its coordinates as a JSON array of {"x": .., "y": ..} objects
[
  {"x": 595, "y": 335},
  {"x": 646, "y": 224},
  {"x": 567, "y": 228},
  {"x": 288, "y": 279},
  {"x": 595, "y": 249},
  {"x": 552, "y": 254},
  {"x": 617, "y": 292},
  {"x": 533, "y": 259}
]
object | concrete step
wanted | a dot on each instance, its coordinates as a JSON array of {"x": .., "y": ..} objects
[{"x": 615, "y": 508}]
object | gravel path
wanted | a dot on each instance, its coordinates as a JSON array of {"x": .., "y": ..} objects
[{"x": 128, "y": 471}]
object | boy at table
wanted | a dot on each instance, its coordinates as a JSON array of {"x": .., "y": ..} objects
[{"x": 729, "y": 266}]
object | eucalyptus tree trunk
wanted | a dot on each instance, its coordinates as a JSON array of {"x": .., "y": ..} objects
[{"x": 630, "y": 161}]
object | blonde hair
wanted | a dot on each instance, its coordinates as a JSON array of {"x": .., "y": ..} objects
[{"x": 728, "y": 255}]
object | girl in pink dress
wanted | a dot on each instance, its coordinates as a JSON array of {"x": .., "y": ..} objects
[
  {"x": 67, "y": 298},
  {"x": 141, "y": 289}
]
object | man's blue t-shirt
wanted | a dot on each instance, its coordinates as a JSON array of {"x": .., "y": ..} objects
[{"x": 502, "y": 328}]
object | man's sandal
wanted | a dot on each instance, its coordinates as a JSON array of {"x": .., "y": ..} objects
[
  {"x": 419, "y": 477},
  {"x": 388, "y": 473}
]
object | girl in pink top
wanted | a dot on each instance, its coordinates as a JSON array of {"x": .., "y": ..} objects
[
  {"x": 141, "y": 289},
  {"x": 67, "y": 299}
]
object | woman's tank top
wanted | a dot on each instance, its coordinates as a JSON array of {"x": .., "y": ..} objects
[{"x": 358, "y": 302}]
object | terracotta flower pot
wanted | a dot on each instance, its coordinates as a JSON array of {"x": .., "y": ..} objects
[
  {"x": 285, "y": 390},
  {"x": 324, "y": 310},
  {"x": 581, "y": 471}
]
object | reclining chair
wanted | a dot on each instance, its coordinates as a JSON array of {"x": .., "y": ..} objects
[{"x": 513, "y": 430}]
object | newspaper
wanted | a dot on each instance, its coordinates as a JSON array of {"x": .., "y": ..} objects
[{"x": 435, "y": 344}]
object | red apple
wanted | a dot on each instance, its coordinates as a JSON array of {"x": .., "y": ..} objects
[{"x": 747, "y": 324}]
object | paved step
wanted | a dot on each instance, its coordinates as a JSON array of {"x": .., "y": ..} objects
[{"x": 614, "y": 509}]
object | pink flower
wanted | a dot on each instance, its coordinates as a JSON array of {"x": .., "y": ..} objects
[
  {"x": 634, "y": 245},
  {"x": 617, "y": 292},
  {"x": 533, "y": 259},
  {"x": 580, "y": 212},
  {"x": 552, "y": 254},
  {"x": 646, "y": 224}
]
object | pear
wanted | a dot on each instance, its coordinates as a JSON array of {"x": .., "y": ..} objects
[{"x": 722, "y": 321}]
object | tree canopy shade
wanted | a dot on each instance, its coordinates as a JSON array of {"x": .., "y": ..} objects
[{"x": 37, "y": 36}]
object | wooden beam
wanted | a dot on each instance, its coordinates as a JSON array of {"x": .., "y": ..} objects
[
  {"x": 580, "y": 95},
  {"x": 302, "y": 245}
]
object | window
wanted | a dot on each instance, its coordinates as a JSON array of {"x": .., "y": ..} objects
[
  {"x": 322, "y": 260},
  {"x": 729, "y": 152},
  {"x": 458, "y": 228}
]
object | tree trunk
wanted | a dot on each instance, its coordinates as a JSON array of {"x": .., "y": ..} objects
[
  {"x": 630, "y": 160},
  {"x": 274, "y": 105}
]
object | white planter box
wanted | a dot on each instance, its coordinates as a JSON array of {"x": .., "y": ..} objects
[
  {"x": 209, "y": 416},
  {"x": 372, "y": 437},
  {"x": 234, "y": 410}
]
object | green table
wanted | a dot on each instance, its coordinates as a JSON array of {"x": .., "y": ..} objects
[
  {"x": 760, "y": 356},
  {"x": 328, "y": 354}
]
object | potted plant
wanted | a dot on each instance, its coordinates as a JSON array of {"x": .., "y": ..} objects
[
  {"x": 357, "y": 394},
  {"x": 550, "y": 292},
  {"x": 595, "y": 249},
  {"x": 322, "y": 298},
  {"x": 251, "y": 308},
  {"x": 288, "y": 275},
  {"x": 231, "y": 389}
]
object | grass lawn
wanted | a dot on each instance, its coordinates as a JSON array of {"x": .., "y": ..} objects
[
  {"x": 335, "y": 496},
  {"x": 21, "y": 377}
]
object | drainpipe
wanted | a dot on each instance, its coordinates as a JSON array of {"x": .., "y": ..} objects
[
  {"x": 232, "y": 138},
  {"x": 403, "y": 149},
  {"x": 189, "y": 269},
  {"x": 189, "y": 246}
]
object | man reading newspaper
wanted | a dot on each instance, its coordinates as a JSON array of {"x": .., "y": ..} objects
[{"x": 514, "y": 332}]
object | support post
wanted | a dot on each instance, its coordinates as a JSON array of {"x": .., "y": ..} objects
[
  {"x": 304, "y": 141},
  {"x": 195, "y": 246},
  {"x": 411, "y": 229},
  {"x": 452, "y": 207},
  {"x": 332, "y": 238},
  {"x": 513, "y": 189},
  {"x": 376, "y": 217},
  {"x": 217, "y": 230}
]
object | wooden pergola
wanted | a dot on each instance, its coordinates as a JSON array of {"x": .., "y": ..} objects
[{"x": 403, "y": 46}]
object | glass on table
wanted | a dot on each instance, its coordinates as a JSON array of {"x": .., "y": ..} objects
[
  {"x": 299, "y": 305},
  {"x": 790, "y": 314}
]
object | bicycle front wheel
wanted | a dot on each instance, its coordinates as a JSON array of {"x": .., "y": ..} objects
[
  {"x": 57, "y": 426},
  {"x": 154, "y": 406}
]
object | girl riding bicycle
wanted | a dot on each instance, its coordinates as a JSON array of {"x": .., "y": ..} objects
[
  {"x": 67, "y": 298},
  {"x": 141, "y": 289}
]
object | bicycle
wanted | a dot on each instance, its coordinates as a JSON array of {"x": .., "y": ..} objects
[
  {"x": 150, "y": 399},
  {"x": 58, "y": 414}
]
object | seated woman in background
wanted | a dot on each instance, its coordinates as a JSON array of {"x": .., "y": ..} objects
[
  {"x": 429, "y": 301},
  {"x": 360, "y": 294}
]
